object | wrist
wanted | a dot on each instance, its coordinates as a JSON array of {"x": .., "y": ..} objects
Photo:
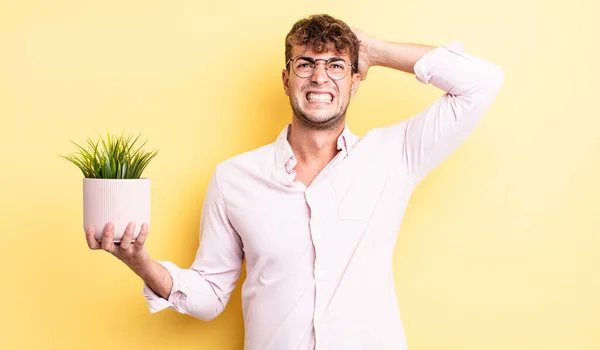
[
  {"x": 374, "y": 51},
  {"x": 142, "y": 268}
]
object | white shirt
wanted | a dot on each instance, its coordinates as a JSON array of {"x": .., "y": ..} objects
[{"x": 319, "y": 258}]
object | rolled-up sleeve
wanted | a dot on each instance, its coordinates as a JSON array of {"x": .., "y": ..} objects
[
  {"x": 470, "y": 83},
  {"x": 204, "y": 289}
]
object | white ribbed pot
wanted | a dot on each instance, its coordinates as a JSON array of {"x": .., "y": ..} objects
[{"x": 119, "y": 201}]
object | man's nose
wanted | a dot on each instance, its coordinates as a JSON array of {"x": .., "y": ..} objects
[{"x": 320, "y": 74}]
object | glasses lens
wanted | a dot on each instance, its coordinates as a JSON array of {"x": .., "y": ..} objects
[
  {"x": 337, "y": 69},
  {"x": 304, "y": 67}
]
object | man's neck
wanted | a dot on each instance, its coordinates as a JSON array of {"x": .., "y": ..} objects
[{"x": 314, "y": 148}]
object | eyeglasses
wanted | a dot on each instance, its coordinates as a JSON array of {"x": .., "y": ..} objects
[{"x": 335, "y": 67}]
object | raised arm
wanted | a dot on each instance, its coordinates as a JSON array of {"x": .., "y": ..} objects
[
  {"x": 375, "y": 52},
  {"x": 470, "y": 85}
]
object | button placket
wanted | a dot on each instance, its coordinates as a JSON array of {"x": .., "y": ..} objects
[{"x": 313, "y": 220}]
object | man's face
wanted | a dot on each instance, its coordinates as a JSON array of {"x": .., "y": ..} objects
[{"x": 318, "y": 101}]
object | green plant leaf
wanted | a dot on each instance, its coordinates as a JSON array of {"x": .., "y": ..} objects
[{"x": 111, "y": 157}]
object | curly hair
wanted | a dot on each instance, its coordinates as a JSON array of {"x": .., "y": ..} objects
[{"x": 321, "y": 33}]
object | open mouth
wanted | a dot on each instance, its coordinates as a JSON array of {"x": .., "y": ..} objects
[{"x": 319, "y": 97}]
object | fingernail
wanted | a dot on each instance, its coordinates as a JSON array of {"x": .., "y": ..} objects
[
  {"x": 110, "y": 225},
  {"x": 145, "y": 226}
]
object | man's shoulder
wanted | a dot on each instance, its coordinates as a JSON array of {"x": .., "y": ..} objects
[
  {"x": 384, "y": 136},
  {"x": 249, "y": 162}
]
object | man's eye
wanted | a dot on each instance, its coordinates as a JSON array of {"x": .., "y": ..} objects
[
  {"x": 305, "y": 65},
  {"x": 338, "y": 67}
]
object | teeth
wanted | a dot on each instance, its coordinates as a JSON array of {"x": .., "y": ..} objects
[{"x": 319, "y": 97}]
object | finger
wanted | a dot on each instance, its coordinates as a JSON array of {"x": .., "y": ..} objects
[
  {"x": 127, "y": 237},
  {"x": 107, "y": 237},
  {"x": 91, "y": 240},
  {"x": 141, "y": 238}
]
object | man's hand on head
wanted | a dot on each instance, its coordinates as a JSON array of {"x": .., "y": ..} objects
[{"x": 365, "y": 52}]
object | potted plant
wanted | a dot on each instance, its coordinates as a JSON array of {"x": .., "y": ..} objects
[{"x": 113, "y": 189}]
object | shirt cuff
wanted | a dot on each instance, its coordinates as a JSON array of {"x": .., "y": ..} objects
[
  {"x": 157, "y": 303},
  {"x": 424, "y": 65}
]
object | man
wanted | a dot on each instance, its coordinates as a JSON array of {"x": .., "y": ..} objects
[{"x": 316, "y": 213}]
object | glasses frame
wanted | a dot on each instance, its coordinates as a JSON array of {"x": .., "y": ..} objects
[{"x": 325, "y": 62}]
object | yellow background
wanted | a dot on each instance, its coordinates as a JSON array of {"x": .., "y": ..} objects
[{"x": 500, "y": 246}]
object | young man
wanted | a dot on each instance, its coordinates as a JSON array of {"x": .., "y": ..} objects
[{"x": 316, "y": 213}]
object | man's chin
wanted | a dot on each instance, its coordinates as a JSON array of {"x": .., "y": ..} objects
[
  {"x": 319, "y": 119},
  {"x": 320, "y": 122}
]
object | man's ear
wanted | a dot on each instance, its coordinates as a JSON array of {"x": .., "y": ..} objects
[
  {"x": 356, "y": 78},
  {"x": 285, "y": 78}
]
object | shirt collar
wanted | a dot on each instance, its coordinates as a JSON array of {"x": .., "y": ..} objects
[{"x": 283, "y": 150}]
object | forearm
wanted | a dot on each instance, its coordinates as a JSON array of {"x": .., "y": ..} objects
[
  {"x": 397, "y": 55},
  {"x": 156, "y": 277}
]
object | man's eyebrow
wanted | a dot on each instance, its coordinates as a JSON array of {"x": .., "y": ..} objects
[{"x": 330, "y": 59}]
